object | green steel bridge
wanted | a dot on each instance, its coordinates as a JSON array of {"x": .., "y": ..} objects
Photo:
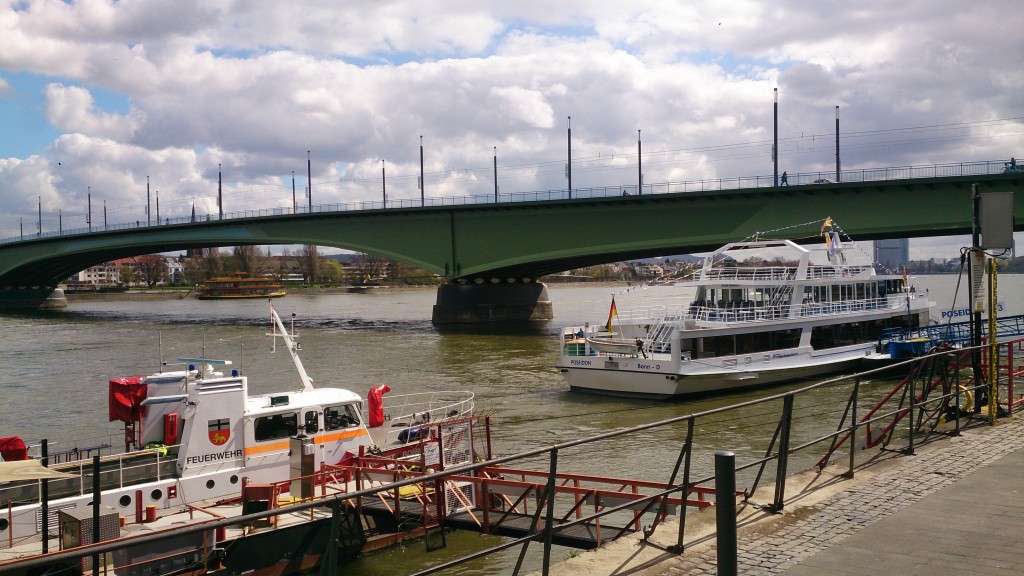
[{"x": 493, "y": 248}]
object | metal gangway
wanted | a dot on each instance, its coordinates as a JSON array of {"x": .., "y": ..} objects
[{"x": 959, "y": 333}]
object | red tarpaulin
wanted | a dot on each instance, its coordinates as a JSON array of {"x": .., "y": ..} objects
[
  {"x": 13, "y": 449},
  {"x": 125, "y": 398},
  {"x": 376, "y": 404}
]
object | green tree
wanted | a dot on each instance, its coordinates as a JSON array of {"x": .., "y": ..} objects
[
  {"x": 331, "y": 272},
  {"x": 127, "y": 275}
]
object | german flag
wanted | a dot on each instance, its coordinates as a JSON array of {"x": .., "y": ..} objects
[{"x": 612, "y": 313}]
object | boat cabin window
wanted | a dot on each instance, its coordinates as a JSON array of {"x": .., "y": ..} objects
[
  {"x": 276, "y": 426},
  {"x": 312, "y": 422},
  {"x": 341, "y": 416}
]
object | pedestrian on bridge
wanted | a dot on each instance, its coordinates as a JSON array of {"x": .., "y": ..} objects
[{"x": 785, "y": 179}]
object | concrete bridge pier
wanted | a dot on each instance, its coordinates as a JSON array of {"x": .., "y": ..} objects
[
  {"x": 488, "y": 302},
  {"x": 41, "y": 298}
]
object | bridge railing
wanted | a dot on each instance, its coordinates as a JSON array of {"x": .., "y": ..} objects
[{"x": 705, "y": 185}]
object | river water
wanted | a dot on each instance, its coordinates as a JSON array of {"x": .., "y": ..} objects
[{"x": 55, "y": 367}]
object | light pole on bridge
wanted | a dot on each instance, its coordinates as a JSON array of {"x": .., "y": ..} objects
[
  {"x": 309, "y": 180},
  {"x": 839, "y": 177},
  {"x": 639, "y": 167},
  {"x": 88, "y": 218},
  {"x": 423, "y": 197},
  {"x": 495, "y": 174},
  {"x": 775, "y": 140},
  {"x": 220, "y": 198},
  {"x": 383, "y": 183},
  {"x": 148, "y": 219},
  {"x": 568, "y": 166}
]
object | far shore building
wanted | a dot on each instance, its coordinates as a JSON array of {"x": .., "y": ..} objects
[
  {"x": 113, "y": 273},
  {"x": 892, "y": 253},
  {"x": 648, "y": 270}
]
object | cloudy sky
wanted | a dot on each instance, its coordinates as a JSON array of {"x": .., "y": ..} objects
[{"x": 98, "y": 96}]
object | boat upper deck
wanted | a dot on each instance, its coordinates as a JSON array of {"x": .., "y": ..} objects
[{"x": 776, "y": 274}]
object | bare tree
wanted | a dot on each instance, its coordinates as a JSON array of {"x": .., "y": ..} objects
[
  {"x": 286, "y": 263},
  {"x": 251, "y": 260},
  {"x": 152, "y": 268},
  {"x": 310, "y": 263},
  {"x": 202, "y": 264},
  {"x": 368, "y": 266}
]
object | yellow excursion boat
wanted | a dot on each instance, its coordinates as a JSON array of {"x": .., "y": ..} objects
[{"x": 240, "y": 285}]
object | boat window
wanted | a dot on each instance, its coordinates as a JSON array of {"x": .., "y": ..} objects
[
  {"x": 830, "y": 336},
  {"x": 276, "y": 426},
  {"x": 312, "y": 425},
  {"x": 755, "y": 342},
  {"x": 341, "y": 416}
]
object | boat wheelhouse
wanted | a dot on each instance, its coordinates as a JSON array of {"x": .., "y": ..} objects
[{"x": 751, "y": 322}]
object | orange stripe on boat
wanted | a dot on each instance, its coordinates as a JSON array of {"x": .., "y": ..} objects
[
  {"x": 264, "y": 448},
  {"x": 339, "y": 436},
  {"x": 321, "y": 439}
]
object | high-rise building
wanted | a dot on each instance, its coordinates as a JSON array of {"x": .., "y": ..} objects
[{"x": 892, "y": 253}]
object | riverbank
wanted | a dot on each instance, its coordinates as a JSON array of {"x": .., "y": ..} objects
[
  {"x": 900, "y": 514},
  {"x": 167, "y": 294},
  {"x": 145, "y": 295}
]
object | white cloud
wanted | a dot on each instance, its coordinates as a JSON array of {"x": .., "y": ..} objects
[
  {"x": 253, "y": 85},
  {"x": 71, "y": 108}
]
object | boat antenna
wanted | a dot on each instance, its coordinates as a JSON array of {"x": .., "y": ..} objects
[{"x": 290, "y": 343}]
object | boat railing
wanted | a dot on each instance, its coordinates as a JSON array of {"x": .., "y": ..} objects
[
  {"x": 748, "y": 311},
  {"x": 758, "y": 273},
  {"x": 818, "y": 272},
  {"x": 783, "y": 273},
  {"x": 116, "y": 471},
  {"x": 654, "y": 313},
  {"x": 78, "y": 449},
  {"x": 409, "y": 414}
]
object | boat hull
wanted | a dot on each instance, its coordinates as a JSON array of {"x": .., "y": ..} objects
[
  {"x": 644, "y": 378},
  {"x": 240, "y": 296}
]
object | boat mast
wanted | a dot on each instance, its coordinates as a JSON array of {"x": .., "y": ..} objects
[{"x": 293, "y": 346}]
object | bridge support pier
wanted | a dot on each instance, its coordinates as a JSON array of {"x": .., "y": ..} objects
[
  {"x": 477, "y": 303},
  {"x": 32, "y": 298}
]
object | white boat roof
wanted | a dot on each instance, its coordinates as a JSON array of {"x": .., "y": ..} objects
[{"x": 276, "y": 401}]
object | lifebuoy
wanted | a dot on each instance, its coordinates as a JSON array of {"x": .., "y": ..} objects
[{"x": 968, "y": 395}]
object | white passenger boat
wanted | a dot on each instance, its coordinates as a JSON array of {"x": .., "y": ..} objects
[
  {"x": 196, "y": 436},
  {"x": 764, "y": 311}
]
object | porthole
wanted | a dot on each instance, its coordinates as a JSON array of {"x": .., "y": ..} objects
[
  {"x": 210, "y": 484},
  {"x": 233, "y": 479},
  {"x": 125, "y": 500},
  {"x": 156, "y": 494},
  {"x": 3, "y": 524}
]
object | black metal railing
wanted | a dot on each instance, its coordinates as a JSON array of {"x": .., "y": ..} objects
[{"x": 900, "y": 418}]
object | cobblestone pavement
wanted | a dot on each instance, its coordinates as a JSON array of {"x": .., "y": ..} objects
[
  {"x": 850, "y": 511},
  {"x": 822, "y": 528}
]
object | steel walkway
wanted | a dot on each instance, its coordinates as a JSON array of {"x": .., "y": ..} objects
[{"x": 1007, "y": 328}]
